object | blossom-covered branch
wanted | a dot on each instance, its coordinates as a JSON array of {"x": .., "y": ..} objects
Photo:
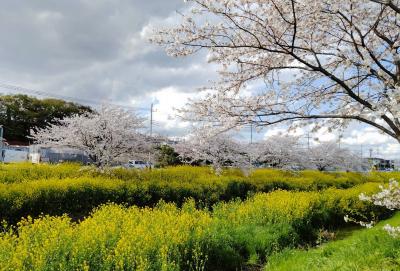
[
  {"x": 331, "y": 61},
  {"x": 388, "y": 197}
]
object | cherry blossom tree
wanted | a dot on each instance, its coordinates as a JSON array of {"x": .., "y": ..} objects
[
  {"x": 329, "y": 155},
  {"x": 331, "y": 61},
  {"x": 104, "y": 136},
  {"x": 278, "y": 151},
  {"x": 218, "y": 149}
]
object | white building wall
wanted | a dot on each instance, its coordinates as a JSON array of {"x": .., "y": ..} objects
[{"x": 12, "y": 156}]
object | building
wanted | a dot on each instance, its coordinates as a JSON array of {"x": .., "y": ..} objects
[
  {"x": 396, "y": 164},
  {"x": 11, "y": 154},
  {"x": 380, "y": 164},
  {"x": 56, "y": 155}
]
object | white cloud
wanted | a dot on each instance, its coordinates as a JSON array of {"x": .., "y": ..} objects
[
  {"x": 283, "y": 131},
  {"x": 47, "y": 16},
  {"x": 392, "y": 150},
  {"x": 372, "y": 142},
  {"x": 322, "y": 135},
  {"x": 166, "y": 100},
  {"x": 367, "y": 136}
]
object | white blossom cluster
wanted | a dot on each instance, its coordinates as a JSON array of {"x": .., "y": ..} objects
[
  {"x": 218, "y": 149},
  {"x": 361, "y": 223},
  {"x": 388, "y": 197},
  {"x": 330, "y": 155},
  {"x": 331, "y": 61},
  {"x": 104, "y": 136},
  {"x": 278, "y": 151}
]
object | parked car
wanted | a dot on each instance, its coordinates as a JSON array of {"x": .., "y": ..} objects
[{"x": 138, "y": 164}]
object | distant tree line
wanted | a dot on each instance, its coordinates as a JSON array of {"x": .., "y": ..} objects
[
  {"x": 282, "y": 151},
  {"x": 21, "y": 114}
]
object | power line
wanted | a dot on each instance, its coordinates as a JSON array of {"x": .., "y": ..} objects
[{"x": 64, "y": 97}]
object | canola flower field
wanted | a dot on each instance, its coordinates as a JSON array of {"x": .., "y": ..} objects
[
  {"x": 27, "y": 189},
  {"x": 230, "y": 236},
  {"x": 203, "y": 221}
]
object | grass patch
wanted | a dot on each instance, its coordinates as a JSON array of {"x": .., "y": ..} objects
[{"x": 365, "y": 249}]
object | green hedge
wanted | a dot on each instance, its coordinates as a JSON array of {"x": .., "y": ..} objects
[{"x": 230, "y": 237}]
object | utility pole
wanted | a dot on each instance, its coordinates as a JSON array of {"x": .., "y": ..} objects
[
  {"x": 251, "y": 133},
  {"x": 151, "y": 132},
  {"x": 361, "y": 156},
  {"x": 151, "y": 120},
  {"x": 340, "y": 139},
  {"x": 308, "y": 140},
  {"x": 1, "y": 143}
]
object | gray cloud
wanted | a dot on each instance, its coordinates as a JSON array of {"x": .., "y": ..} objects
[{"x": 92, "y": 49}]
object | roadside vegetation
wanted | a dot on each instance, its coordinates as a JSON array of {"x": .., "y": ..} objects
[{"x": 366, "y": 249}]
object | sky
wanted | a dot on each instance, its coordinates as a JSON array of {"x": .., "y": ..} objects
[{"x": 97, "y": 51}]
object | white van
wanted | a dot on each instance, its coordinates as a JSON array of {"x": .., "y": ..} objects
[{"x": 138, "y": 164}]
